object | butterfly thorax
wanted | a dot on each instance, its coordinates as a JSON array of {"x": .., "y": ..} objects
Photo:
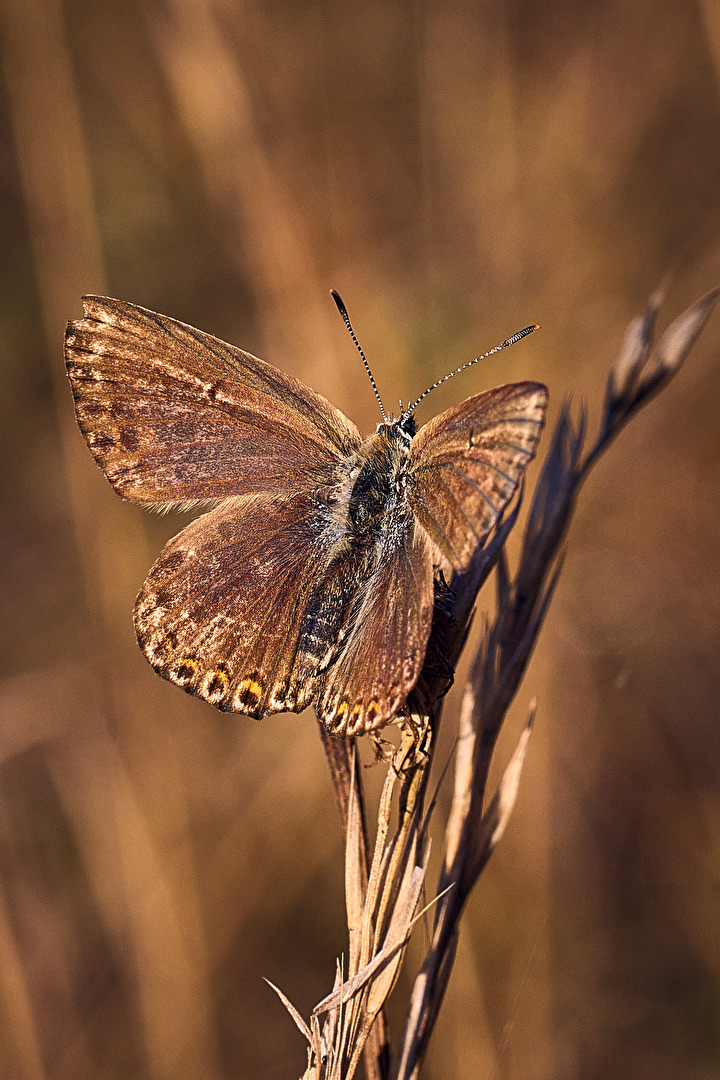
[{"x": 377, "y": 481}]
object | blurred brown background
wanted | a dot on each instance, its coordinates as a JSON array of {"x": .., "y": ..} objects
[{"x": 456, "y": 170}]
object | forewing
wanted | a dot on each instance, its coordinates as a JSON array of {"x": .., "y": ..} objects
[
  {"x": 465, "y": 465},
  {"x": 224, "y": 610},
  {"x": 381, "y": 658},
  {"x": 173, "y": 415}
]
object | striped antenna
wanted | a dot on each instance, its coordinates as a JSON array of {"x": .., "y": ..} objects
[
  {"x": 343, "y": 311},
  {"x": 503, "y": 345}
]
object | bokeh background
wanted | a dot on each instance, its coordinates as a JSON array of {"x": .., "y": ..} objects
[{"x": 457, "y": 170}]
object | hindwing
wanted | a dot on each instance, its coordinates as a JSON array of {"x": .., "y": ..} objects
[
  {"x": 245, "y": 606},
  {"x": 388, "y": 629},
  {"x": 465, "y": 465}
]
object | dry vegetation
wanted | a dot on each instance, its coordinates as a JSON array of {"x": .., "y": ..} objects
[
  {"x": 383, "y": 895},
  {"x": 456, "y": 171}
]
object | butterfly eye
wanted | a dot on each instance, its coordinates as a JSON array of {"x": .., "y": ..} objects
[{"x": 408, "y": 429}]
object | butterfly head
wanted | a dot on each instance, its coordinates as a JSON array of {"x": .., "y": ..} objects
[
  {"x": 400, "y": 429},
  {"x": 403, "y": 428}
]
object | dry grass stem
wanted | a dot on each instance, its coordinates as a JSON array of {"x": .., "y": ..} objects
[{"x": 382, "y": 898}]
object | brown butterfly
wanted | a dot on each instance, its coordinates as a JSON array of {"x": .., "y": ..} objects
[{"x": 311, "y": 580}]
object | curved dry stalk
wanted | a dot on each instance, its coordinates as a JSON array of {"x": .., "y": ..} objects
[{"x": 383, "y": 893}]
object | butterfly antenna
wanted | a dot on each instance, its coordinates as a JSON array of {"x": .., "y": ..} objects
[
  {"x": 343, "y": 311},
  {"x": 503, "y": 345}
]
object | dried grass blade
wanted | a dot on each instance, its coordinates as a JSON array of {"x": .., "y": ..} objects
[
  {"x": 398, "y": 935},
  {"x": 354, "y": 868},
  {"x": 381, "y": 854},
  {"x": 633, "y": 354},
  {"x": 407, "y": 846},
  {"x": 681, "y": 335},
  {"x": 401, "y": 924},
  {"x": 494, "y": 820},
  {"x": 515, "y": 663},
  {"x": 464, "y": 768},
  {"x": 300, "y": 1023}
]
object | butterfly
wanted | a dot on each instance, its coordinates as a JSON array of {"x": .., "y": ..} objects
[{"x": 311, "y": 578}]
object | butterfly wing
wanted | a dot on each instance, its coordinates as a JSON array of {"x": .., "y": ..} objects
[
  {"x": 382, "y": 656},
  {"x": 245, "y": 606},
  {"x": 173, "y": 415},
  {"x": 465, "y": 465},
  {"x": 261, "y": 604}
]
